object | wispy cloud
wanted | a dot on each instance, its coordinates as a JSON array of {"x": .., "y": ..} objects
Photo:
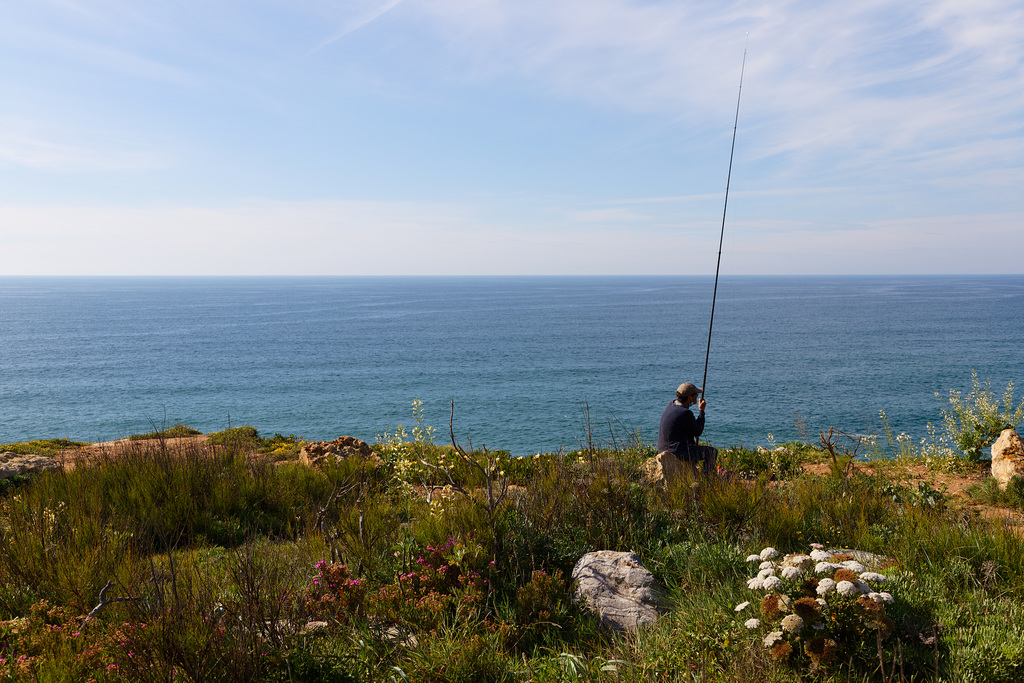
[
  {"x": 34, "y": 145},
  {"x": 80, "y": 49},
  {"x": 359, "y": 21},
  {"x": 847, "y": 83}
]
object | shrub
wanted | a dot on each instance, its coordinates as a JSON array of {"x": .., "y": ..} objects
[
  {"x": 782, "y": 462},
  {"x": 236, "y": 437},
  {"x": 974, "y": 421},
  {"x": 454, "y": 576},
  {"x": 819, "y": 609},
  {"x": 178, "y": 430}
]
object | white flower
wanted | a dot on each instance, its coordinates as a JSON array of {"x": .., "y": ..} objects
[
  {"x": 826, "y": 586},
  {"x": 846, "y": 588},
  {"x": 772, "y": 638},
  {"x": 752, "y": 623},
  {"x": 769, "y": 553},
  {"x": 819, "y": 555},
  {"x": 753, "y": 558},
  {"x": 755, "y": 584},
  {"x": 873, "y": 576},
  {"x": 818, "y": 626},
  {"x": 862, "y": 587},
  {"x": 825, "y": 567},
  {"x": 742, "y": 606},
  {"x": 792, "y": 623},
  {"x": 821, "y": 601},
  {"x": 767, "y": 564},
  {"x": 853, "y": 566},
  {"x": 876, "y": 597},
  {"x": 887, "y": 597},
  {"x": 765, "y": 573},
  {"x": 785, "y": 603},
  {"x": 770, "y": 583},
  {"x": 791, "y": 573}
]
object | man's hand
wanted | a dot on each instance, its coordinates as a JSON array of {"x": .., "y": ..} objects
[{"x": 701, "y": 405}]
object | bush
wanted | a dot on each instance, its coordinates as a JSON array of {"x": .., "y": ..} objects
[
  {"x": 974, "y": 421},
  {"x": 178, "y": 430},
  {"x": 236, "y": 437}
]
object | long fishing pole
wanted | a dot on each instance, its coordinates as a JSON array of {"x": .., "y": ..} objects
[{"x": 721, "y": 237}]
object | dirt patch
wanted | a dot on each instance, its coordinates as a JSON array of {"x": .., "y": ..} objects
[
  {"x": 112, "y": 450},
  {"x": 955, "y": 486}
]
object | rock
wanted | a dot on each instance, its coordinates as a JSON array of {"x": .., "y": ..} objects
[
  {"x": 618, "y": 588},
  {"x": 665, "y": 469},
  {"x": 12, "y": 464},
  {"x": 314, "y": 454},
  {"x": 1007, "y": 458},
  {"x": 313, "y": 627},
  {"x": 393, "y": 635},
  {"x": 872, "y": 561}
]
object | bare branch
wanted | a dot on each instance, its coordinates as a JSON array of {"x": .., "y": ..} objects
[{"x": 104, "y": 601}]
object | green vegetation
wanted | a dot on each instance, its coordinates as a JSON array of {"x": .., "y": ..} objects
[
  {"x": 247, "y": 438},
  {"x": 178, "y": 430},
  {"x": 428, "y": 562},
  {"x": 974, "y": 421},
  {"x": 47, "y": 447}
]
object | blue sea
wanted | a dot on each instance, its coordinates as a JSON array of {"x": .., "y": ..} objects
[{"x": 523, "y": 358}]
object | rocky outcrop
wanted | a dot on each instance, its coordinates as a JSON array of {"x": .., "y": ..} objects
[
  {"x": 12, "y": 464},
  {"x": 664, "y": 469},
  {"x": 315, "y": 453},
  {"x": 1007, "y": 458},
  {"x": 619, "y": 589}
]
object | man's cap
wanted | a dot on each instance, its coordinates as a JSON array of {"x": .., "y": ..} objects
[{"x": 687, "y": 389}]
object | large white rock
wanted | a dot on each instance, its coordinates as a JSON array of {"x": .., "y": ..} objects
[
  {"x": 1007, "y": 458},
  {"x": 619, "y": 589}
]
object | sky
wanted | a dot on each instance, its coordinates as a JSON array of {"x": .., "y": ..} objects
[{"x": 510, "y": 137}]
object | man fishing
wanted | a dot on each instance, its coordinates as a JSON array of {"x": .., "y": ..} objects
[{"x": 679, "y": 431}]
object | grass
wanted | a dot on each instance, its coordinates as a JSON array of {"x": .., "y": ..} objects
[{"x": 213, "y": 558}]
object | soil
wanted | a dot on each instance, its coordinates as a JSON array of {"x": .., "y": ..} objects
[
  {"x": 955, "y": 486},
  {"x": 107, "y": 450}
]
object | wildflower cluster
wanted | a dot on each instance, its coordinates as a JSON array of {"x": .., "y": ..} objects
[
  {"x": 335, "y": 592},
  {"x": 818, "y": 608},
  {"x": 936, "y": 449},
  {"x": 441, "y": 579},
  {"x": 27, "y": 642}
]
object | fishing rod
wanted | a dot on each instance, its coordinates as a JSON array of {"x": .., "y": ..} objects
[{"x": 721, "y": 237}]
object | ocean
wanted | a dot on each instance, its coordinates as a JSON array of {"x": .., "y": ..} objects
[{"x": 525, "y": 359}]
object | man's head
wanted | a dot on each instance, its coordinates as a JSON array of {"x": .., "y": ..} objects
[{"x": 686, "y": 390}]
